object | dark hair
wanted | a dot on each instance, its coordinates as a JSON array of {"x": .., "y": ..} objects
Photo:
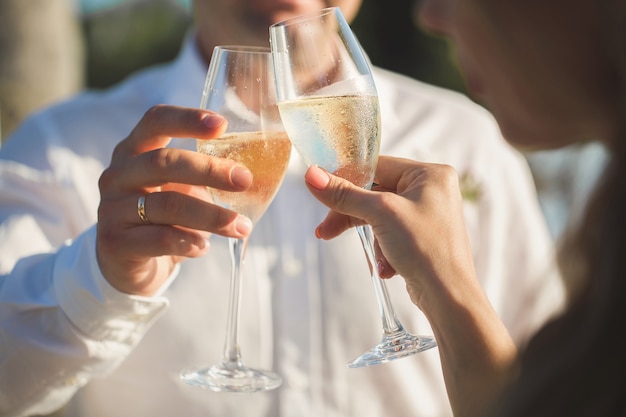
[{"x": 576, "y": 365}]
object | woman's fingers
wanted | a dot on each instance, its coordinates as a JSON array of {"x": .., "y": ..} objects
[
  {"x": 394, "y": 174},
  {"x": 418, "y": 214},
  {"x": 344, "y": 197},
  {"x": 335, "y": 224},
  {"x": 385, "y": 269}
]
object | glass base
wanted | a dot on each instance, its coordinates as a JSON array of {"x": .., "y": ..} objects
[
  {"x": 394, "y": 346},
  {"x": 231, "y": 378}
]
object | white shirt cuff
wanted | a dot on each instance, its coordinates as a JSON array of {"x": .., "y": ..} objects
[{"x": 95, "y": 307}]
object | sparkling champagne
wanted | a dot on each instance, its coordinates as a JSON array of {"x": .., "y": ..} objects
[
  {"x": 265, "y": 154},
  {"x": 339, "y": 133}
]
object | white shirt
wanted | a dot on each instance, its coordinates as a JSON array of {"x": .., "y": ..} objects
[
  {"x": 308, "y": 305},
  {"x": 565, "y": 177}
]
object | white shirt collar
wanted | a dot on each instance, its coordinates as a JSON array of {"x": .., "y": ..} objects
[{"x": 186, "y": 75}]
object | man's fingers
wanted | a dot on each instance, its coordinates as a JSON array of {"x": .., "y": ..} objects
[
  {"x": 174, "y": 209},
  {"x": 170, "y": 208},
  {"x": 160, "y": 123},
  {"x": 162, "y": 166}
]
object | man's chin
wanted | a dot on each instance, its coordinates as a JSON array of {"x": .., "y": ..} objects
[
  {"x": 258, "y": 23},
  {"x": 283, "y": 10},
  {"x": 281, "y": 15}
]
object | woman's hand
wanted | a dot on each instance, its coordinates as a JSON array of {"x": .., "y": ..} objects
[
  {"x": 416, "y": 213},
  {"x": 137, "y": 255}
]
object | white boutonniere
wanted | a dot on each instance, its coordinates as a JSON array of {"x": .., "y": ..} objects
[{"x": 471, "y": 189}]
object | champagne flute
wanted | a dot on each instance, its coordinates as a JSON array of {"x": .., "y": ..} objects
[
  {"x": 329, "y": 106},
  {"x": 240, "y": 86}
]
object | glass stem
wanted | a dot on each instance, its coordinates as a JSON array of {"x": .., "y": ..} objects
[
  {"x": 391, "y": 324},
  {"x": 232, "y": 355}
]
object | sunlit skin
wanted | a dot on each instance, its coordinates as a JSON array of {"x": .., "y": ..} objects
[
  {"x": 550, "y": 71},
  {"x": 138, "y": 258},
  {"x": 420, "y": 230},
  {"x": 246, "y": 22},
  {"x": 548, "y": 86}
]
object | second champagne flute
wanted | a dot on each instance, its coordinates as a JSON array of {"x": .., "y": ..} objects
[
  {"x": 240, "y": 87},
  {"x": 329, "y": 105}
]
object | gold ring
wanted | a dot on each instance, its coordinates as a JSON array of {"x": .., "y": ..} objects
[{"x": 141, "y": 209}]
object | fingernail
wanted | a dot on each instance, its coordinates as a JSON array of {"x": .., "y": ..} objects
[
  {"x": 206, "y": 238},
  {"x": 380, "y": 266},
  {"x": 213, "y": 121},
  {"x": 243, "y": 225},
  {"x": 241, "y": 177},
  {"x": 317, "y": 177},
  {"x": 318, "y": 234}
]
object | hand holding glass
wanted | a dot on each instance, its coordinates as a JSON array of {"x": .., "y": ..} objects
[
  {"x": 240, "y": 87},
  {"x": 329, "y": 106}
]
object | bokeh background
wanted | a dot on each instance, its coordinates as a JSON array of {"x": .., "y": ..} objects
[
  {"x": 51, "y": 49},
  {"x": 123, "y": 35}
]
